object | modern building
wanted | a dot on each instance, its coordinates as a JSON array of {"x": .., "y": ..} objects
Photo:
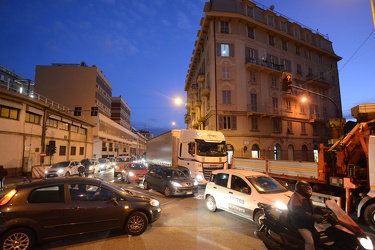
[
  {"x": 87, "y": 93},
  {"x": 234, "y": 81},
  {"x": 13, "y": 81}
]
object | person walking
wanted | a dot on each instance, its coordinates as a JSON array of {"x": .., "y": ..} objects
[
  {"x": 3, "y": 174},
  {"x": 87, "y": 167}
]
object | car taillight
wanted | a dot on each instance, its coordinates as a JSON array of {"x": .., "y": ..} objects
[{"x": 7, "y": 197}]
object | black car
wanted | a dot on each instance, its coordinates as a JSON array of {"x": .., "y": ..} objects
[
  {"x": 170, "y": 181},
  {"x": 50, "y": 209}
]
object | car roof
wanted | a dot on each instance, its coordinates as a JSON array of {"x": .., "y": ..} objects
[
  {"x": 58, "y": 181},
  {"x": 239, "y": 172}
]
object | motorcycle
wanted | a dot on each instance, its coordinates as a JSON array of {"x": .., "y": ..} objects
[{"x": 338, "y": 231}]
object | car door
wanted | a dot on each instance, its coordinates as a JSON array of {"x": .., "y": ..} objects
[
  {"x": 45, "y": 208},
  {"x": 91, "y": 209},
  {"x": 240, "y": 200},
  {"x": 218, "y": 188}
]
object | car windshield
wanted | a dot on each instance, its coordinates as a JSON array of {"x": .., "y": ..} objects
[
  {"x": 265, "y": 184},
  {"x": 137, "y": 167},
  {"x": 62, "y": 164},
  {"x": 174, "y": 173},
  {"x": 210, "y": 148},
  {"x": 102, "y": 160}
]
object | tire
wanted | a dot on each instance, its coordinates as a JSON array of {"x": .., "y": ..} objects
[
  {"x": 167, "y": 191},
  {"x": 257, "y": 216},
  {"x": 67, "y": 174},
  {"x": 136, "y": 223},
  {"x": 19, "y": 238},
  {"x": 145, "y": 185},
  {"x": 370, "y": 216},
  {"x": 211, "y": 204}
]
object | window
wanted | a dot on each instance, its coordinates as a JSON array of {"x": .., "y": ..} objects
[
  {"x": 224, "y": 27},
  {"x": 74, "y": 128},
  {"x": 53, "y": 194},
  {"x": 308, "y": 54},
  {"x": 225, "y": 50},
  {"x": 298, "y": 50},
  {"x": 289, "y": 127},
  {"x": 62, "y": 150},
  {"x": 273, "y": 81},
  {"x": 255, "y": 151},
  {"x": 288, "y": 105},
  {"x": 225, "y": 72},
  {"x": 254, "y": 124},
  {"x": 287, "y": 65},
  {"x": 284, "y": 45},
  {"x": 221, "y": 179},
  {"x": 238, "y": 184},
  {"x": 271, "y": 21},
  {"x": 302, "y": 108},
  {"x": 275, "y": 104},
  {"x": 227, "y": 97},
  {"x": 51, "y": 123},
  {"x": 11, "y": 113},
  {"x": 284, "y": 26},
  {"x": 315, "y": 129},
  {"x": 73, "y": 150},
  {"x": 89, "y": 193},
  {"x": 228, "y": 122},
  {"x": 250, "y": 32},
  {"x": 297, "y": 32},
  {"x": 249, "y": 11},
  {"x": 253, "y": 102},
  {"x": 271, "y": 40},
  {"x": 252, "y": 76},
  {"x": 63, "y": 126},
  {"x": 32, "y": 118},
  {"x": 81, "y": 150},
  {"x": 251, "y": 55},
  {"x": 276, "y": 126},
  {"x": 303, "y": 128},
  {"x": 82, "y": 131},
  {"x": 299, "y": 68}
]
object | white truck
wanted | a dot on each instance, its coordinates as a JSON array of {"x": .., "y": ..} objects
[{"x": 195, "y": 152}]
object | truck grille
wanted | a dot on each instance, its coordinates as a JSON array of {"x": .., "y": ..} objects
[{"x": 208, "y": 168}]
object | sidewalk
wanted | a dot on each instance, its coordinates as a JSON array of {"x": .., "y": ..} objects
[{"x": 11, "y": 182}]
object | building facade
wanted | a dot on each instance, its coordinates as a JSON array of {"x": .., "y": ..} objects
[
  {"x": 234, "y": 82},
  {"x": 88, "y": 93}
]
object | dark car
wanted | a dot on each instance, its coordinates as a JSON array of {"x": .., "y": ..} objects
[
  {"x": 50, "y": 209},
  {"x": 170, "y": 181}
]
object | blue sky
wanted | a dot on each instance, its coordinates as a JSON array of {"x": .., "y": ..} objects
[{"x": 144, "y": 47}]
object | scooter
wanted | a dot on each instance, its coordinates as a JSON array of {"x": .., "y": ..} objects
[{"x": 338, "y": 231}]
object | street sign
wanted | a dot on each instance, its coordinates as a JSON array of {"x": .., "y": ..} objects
[{"x": 42, "y": 155}]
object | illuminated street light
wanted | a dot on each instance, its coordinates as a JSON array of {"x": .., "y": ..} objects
[{"x": 178, "y": 101}]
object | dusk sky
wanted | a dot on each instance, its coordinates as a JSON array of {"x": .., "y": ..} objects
[{"x": 144, "y": 47}]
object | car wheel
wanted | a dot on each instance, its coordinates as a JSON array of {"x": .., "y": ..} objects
[
  {"x": 19, "y": 238},
  {"x": 67, "y": 174},
  {"x": 126, "y": 179},
  {"x": 167, "y": 191},
  {"x": 136, "y": 223},
  {"x": 257, "y": 217},
  {"x": 211, "y": 204},
  {"x": 145, "y": 185}
]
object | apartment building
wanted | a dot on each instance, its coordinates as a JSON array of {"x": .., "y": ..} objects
[
  {"x": 234, "y": 81},
  {"x": 87, "y": 93}
]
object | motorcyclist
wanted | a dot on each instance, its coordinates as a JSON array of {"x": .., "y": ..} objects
[{"x": 301, "y": 213}]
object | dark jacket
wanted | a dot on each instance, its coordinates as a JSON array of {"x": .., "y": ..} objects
[
  {"x": 3, "y": 172},
  {"x": 301, "y": 212}
]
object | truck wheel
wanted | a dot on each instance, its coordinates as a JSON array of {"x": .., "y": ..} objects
[
  {"x": 211, "y": 204},
  {"x": 370, "y": 216},
  {"x": 258, "y": 215},
  {"x": 167, "y": 191}
]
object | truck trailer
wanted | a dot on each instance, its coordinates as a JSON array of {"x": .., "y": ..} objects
[
  {"x": 345, "y": 170},
  {"x": 196, "y": 152}
]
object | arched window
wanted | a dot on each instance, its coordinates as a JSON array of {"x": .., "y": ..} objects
[
  {"x": 305, "y": 156},
  {"x": 290, "y": 153},
  {"x": 277, "y": 152},
  {"x": 255, "y": 152}
]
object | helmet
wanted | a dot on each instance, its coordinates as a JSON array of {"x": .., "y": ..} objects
[{"x": 303, "y": 188}]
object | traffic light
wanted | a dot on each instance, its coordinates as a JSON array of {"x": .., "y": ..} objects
[
  {"x": 77, "y": 111},
  {"x": 52, "y": 147},
  {"x": 94, "y": 111},
  {"x": 286, "y": 81}
]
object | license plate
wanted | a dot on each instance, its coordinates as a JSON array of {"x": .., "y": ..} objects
[{"x": 189, "y": 192}]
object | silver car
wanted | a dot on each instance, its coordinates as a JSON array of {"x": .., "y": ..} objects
[{"x": 63, "y": 168}]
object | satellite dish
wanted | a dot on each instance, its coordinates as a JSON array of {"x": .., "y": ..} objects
[{"x": 272, "y": 7}]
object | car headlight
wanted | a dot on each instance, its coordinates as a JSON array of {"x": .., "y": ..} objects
[
  {"x": 366, "y": 243},
  {"x": 46, "y": 172},
  {"x": 154, "y": 203},
  {"x": 176, "y": 184},
  {"x": 195, "y": 183},
  {"x": 280, "y": 205},
  {"x": 131, "y": 174},
  {"x": 199, "y": 177},
  {"x": 60, "y": 171}
]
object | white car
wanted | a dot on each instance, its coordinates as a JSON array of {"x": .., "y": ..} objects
[
  {"x": 63, "y": 168},
  {"x": 94, "y": 166},
  {"x": 240, "y": 191}
]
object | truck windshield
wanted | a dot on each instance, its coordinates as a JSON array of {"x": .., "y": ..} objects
[{"x": 211, "y": 148}]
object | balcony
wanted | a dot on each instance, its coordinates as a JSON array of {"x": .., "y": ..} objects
[
  {"x": 256, "y": 64},
  {"x": 205, "y": 92},
  {"x": 201, "y": 78}
]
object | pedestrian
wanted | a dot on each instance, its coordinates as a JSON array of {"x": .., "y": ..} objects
[
  {"x": 87, "y": 167},
  {"x": 3, "y": 173},
  {"x": 301, "y": 213}
]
